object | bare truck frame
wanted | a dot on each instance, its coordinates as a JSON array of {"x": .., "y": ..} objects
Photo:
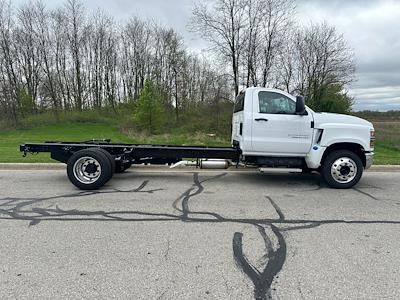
[{"x": 91, "y": 164}]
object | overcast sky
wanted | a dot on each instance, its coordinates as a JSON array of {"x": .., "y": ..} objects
[{"x": 371, "y": 27}]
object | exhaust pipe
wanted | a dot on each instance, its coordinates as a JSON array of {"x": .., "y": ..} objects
[{"x": 204, "y": 164}]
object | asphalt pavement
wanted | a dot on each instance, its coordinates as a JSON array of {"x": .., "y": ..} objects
[{"x": 199, "y": 235}]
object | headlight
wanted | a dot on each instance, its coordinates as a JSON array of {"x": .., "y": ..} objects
[{"x": 372, "y": 139}]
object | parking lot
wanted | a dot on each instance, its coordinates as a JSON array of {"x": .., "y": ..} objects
[{"x": 156, "y": 234}]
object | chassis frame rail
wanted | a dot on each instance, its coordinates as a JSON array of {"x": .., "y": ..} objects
[{"x": 136, "y": 154}]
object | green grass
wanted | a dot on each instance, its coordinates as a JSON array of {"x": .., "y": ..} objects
[
  {"x": 11, "y": 139},
  {"x": 73, "y": 131},
  {"x": 388, "y": 143},
  {"x": 177, "y": 137},
  {"x": 386, "y": 154}
]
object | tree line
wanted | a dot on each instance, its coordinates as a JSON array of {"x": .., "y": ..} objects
[
  {"x": 264, "y": 45},
  {"x": 66, "y": 59}
]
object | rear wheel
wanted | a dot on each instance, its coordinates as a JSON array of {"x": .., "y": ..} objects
[
  {"x": 342, "y": 169},
  {"x": 89, "y": 169},
  {"x": 110, "y": 158}
]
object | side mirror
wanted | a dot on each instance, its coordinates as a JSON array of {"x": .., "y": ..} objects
[{"x": 300, "y": 106}]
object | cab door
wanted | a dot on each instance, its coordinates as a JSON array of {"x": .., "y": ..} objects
[{"x": 276, "y": 129}]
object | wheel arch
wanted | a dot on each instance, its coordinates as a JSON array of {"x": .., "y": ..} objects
[{"x": 353, "y": 147}]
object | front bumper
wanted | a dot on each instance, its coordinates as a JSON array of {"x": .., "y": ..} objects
[{"x": 369, "y": 160}]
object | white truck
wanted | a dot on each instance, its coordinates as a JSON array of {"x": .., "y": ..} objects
[
  {"x": 273, "y": 128},
  {"x": 270, "y": 129}
]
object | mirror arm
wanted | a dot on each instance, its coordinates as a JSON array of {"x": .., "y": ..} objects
[{"x": 305, "y": 113}]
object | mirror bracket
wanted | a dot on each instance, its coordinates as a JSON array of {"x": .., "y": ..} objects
[
  {"x": 301, "y": 106},
  {"x": 305, "y": 113}
]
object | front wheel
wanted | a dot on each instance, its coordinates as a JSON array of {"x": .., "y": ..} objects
[{"x": 342, "y": 169}]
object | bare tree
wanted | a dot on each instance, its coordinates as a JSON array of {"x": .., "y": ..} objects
[
  {"x": 277, "y": 22},
  {"x": 286, "y": 60},
  {"x": 28, "y": 54},
  {"x": 63, "y": 74},
  {"x": 75, "y": 24},
  {"x": 46, "y": 48},
  {"x": 9, "y": 77},
  {"x": 223, "y": 26},
  {"x": 134, "y": 67},
  {"x": 323, "y": 59},
  {"x": 251, "y": 56},
  {"x": 101, "y": 49}
]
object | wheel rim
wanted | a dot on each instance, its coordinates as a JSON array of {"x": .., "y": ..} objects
[
  {"x": 87, "y": 170},
  {"x": 344, "y": 170}
]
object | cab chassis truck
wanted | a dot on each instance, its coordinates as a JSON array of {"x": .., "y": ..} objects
[{"x": 270, "y": 129}]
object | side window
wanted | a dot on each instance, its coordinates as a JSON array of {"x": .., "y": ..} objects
[
  {"x": 275, "y": 103},
  {"x": 239, "y": 103}
]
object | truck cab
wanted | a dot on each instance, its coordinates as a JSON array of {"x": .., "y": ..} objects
[{"x": 275, "y": 129}]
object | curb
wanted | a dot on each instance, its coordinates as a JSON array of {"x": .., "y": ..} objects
[
  {"x": 385, "y": 168},
  {"x": 30, "y": 166},
  {"x": 59, "y": 166}
]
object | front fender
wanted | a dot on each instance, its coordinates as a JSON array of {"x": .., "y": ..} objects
[{"x": 355, "y": 134}]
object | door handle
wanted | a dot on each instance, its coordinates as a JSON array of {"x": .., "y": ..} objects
[{"x": 261, "y": 120}]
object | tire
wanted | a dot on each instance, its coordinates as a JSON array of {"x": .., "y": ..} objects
[
  {"x": 110, "y": 158},
  {"x": 89, "y": 169},
  {"x": 342, "y": 169}
]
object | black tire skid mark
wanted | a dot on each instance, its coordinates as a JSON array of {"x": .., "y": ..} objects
[
  {"x": 136, "y": 190},
  {"x": 196, "y": 189},
  {"x": 365, "y": 194},
  {"x": 306, "y": 226},
  {"x": 15, "y": 212},
  {"x": 370, "y": 196},
  {"x": 267, "y": 241},
  {"x": 173, "y": 217},
  {"x": 276, "y": 258},
  {"x": 369, "y": 186},
  {"x": 277, "y": 208}
]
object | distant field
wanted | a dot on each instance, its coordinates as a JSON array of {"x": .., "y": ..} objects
[
  {"x": 388, "y": 142},
  {"x": 387, "y": 146}
]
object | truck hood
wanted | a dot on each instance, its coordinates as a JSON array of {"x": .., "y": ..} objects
[{"x": 322, "y": 119}]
